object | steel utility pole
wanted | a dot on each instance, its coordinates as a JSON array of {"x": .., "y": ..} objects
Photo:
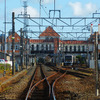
[
  {"x": 96, "y": 64},
  {"x": 13, "y": 37},
  {"x": 5, "y": 37},
  {"x": 25, "y": 30},
  {"x": 21, "y": 48}
]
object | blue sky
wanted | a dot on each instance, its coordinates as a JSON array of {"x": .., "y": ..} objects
[{"x": 69, "y": 8}]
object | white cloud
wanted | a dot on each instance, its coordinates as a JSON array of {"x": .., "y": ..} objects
[
  {"x": 47, "y": 1},
  {"x": 82, "y": 10},
  {"x": 30, "y": 10}
]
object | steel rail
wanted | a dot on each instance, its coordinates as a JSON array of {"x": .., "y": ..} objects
[
  {"x": 32, "y": 88},
  {"x": 31, "y": 84},
  {"x": 53, "y": 93},
  {"x": 48, "y": 84}
]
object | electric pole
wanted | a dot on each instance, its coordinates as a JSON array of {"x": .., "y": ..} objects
[
  {"x": 13, "y": 37},
  {"x": 96, "y": 64},
  {"x": 21, "y": 48},
  {"x": 25, "y": 30}
]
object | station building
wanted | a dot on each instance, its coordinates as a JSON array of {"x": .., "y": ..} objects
[{"x": 49, "y": 43}]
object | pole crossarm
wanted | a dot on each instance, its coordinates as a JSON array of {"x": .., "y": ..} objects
[
  {"x": 72, "y": 21},
  {"x": 71, "y": 35},
  {"x": 57, "y": 32},
  {"x": 79, "y": 21},
  {"x": 49, "y": 22},
  {"x": 71, "y": 25},
  {"x": 35, "y": 21},
  {"x": 63, "y": 22},
  {"x": 19, "y": 20}
]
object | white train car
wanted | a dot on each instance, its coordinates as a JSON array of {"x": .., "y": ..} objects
[{"x": 69, "y": 59}]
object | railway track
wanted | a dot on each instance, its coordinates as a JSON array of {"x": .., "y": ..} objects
[
  {"x": 39, "y": 88},
  {"x": 42, "y": 87}
]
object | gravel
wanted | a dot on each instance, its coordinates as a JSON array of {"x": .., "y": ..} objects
[
  {"x": 70, "y": 87},
  {"x": 17, "y": 90}
]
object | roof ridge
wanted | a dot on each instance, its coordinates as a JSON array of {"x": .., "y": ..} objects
[{"x": 49, "y": 31}]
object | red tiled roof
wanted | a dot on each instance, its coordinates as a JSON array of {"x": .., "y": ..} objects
[
  {"x": 17, "y": 38},
  {"x": 39, "y": 41},
  {"x": 49, "y": 32},
  {"x": 74, "y": 42},
  {"x": 61, "y": 41}
]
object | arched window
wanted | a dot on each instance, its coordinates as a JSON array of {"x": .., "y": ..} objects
[
  {"x": 42, "y": 47},
  {"x": 70, "y": 48},
  {"x": 47, "y": 38},
  {"x": 74, "y": 48},
  {"x": 50, "y": 47},
  {"x": 82, "y": 48},
  {"x": 66, "y": 48},
  {"x": 11, "y": 47},
  {"x": 37, "y": 47},
  {"x": 51, "y": 38},
  {"x": 16, "y": 47},
  {"x": 78, "y": 48},
  {"x": 46, "y": 47},
  {"x": 32, "y": 47}
]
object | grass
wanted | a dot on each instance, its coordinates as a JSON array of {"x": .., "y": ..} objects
[{"x": 6, "y": 67}]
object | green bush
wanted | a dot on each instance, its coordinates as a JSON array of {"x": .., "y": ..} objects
[
  {"x": 81, "y": 59},
  {"x": 5, "y": 66}
]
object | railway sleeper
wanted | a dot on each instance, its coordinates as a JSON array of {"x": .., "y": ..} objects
[
  {"x": 70, "y": 95},
  {"x": 39, "y": 95}
]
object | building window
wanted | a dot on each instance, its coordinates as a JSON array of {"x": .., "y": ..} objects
[
  {"x": 42, "y": 47},
  {"x": 66, "y": 48},
  {"x": 50, "y": 47},
  {"x": 51, "y": 38},
  {"x": 83, "y": 48},
  {"x": 16, "y": 47},
  {"x": 11, "y": 47},
  {"x": 78, "y": 48},
  {"x": 70, "y": 48},
  {"x": 46, "y": 47},
  {"x": 32, "y": 47},
  {"x": 74, "y": 48},
  {"x": 47, "y": 38},
  {"x": 37, "y": 47}
]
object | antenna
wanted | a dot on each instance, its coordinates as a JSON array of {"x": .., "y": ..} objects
[
  {"x": 25, "y": 29},
  {"x": 54, "y": 7},
  {"x": 25, "y": 16}
]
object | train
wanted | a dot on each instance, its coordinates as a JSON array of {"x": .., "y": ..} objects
[{"x": 69, "y": 60}]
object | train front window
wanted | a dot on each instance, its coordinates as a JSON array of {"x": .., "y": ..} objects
[{"x": 68, "y": 58}]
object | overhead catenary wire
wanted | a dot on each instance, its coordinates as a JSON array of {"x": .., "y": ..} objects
[{"x": 42, "y": 7}]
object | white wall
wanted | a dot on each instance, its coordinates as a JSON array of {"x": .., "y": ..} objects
[{"x": 92, "y": 64}]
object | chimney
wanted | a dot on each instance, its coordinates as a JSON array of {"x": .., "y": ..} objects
[
  {"x": 99, "y": 28},
  {"x": 91, "y": 30}
]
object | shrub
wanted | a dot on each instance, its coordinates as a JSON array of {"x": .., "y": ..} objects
[{"x": 5, "y": 66}]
